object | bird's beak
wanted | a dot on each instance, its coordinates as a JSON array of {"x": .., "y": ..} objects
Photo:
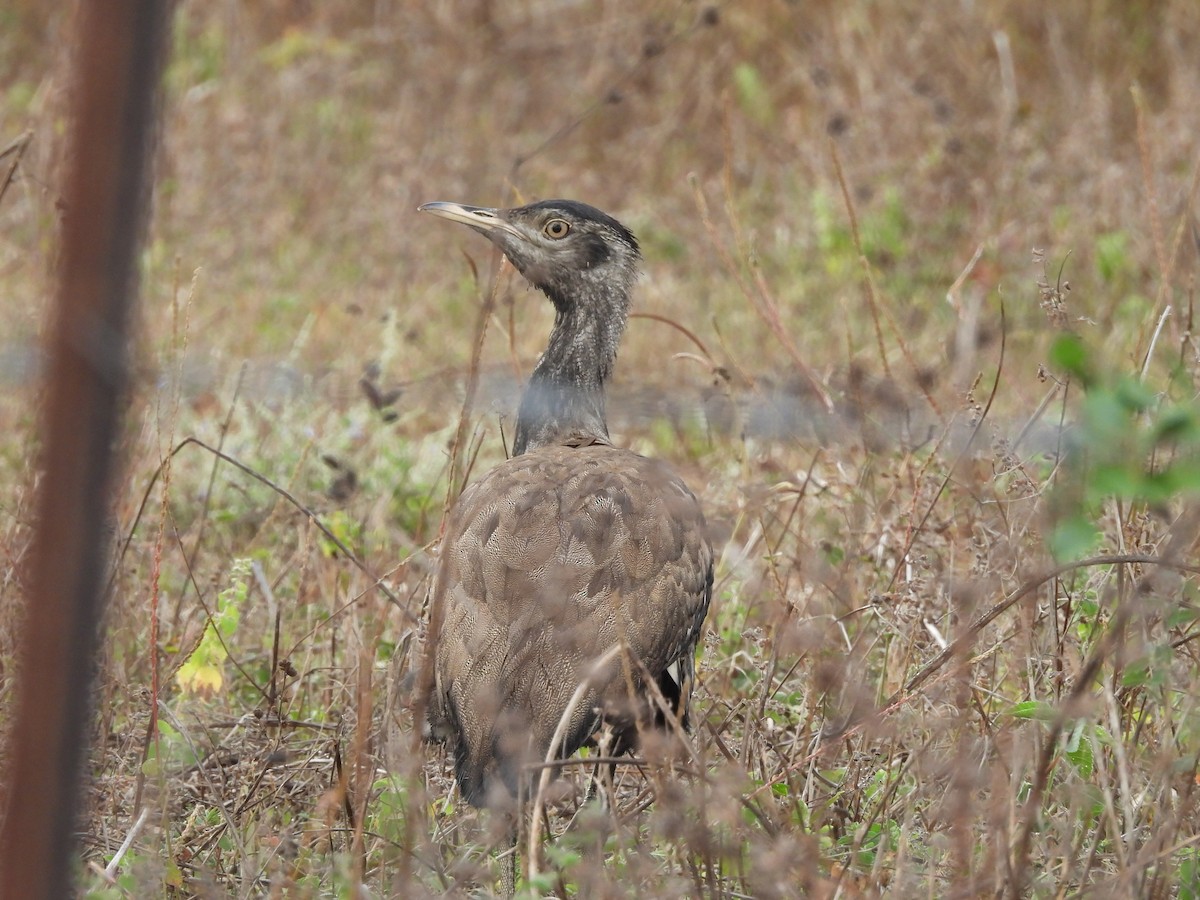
[{"x": 489, "y": 222}]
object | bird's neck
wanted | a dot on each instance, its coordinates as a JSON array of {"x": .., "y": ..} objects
[{"x": 564, "y": 400}]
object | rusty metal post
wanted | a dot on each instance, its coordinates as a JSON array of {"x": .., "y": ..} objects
[{"x": 120, "y": 47}]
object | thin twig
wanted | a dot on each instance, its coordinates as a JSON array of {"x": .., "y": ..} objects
[
  {"x": 560, "y": 732},
  {"x": 114, "y": 865},
  {"x": 1162, "y": 318},
  {"x": 878, "y": 308},
  {"x": 760, "y": 298},
  {"x": 352, "y": 557},
  {"x": 1015, "y": 597},
  {"x": 912, "y": 538},
  {"x": 16, "y": 149}
]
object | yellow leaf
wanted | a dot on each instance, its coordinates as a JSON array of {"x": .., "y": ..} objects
[{"x": 199, "y": 678}]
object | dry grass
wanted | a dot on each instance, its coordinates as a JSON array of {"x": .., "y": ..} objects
[{"x": 899, "y": 691}]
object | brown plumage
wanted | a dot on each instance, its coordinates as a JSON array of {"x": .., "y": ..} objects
[{"x": 570, "y": 548}]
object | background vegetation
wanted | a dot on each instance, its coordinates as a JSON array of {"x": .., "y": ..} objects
[{"x": 919, "y": 295}]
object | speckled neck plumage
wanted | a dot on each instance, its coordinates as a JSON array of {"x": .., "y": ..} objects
[{"x": 564, "y": 400}]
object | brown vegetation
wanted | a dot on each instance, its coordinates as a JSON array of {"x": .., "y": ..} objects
[{"x": 848, "y": 344}]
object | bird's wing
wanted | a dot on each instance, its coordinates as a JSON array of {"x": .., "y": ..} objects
[{"x": 549, "y": 561}]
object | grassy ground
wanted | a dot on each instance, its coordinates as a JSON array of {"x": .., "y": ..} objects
[{"x": 892, "y": 249}]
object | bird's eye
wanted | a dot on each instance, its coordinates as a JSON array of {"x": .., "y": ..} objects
[{"x": 556, "y": 229}]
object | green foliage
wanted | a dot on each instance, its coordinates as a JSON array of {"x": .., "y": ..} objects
[
  {"x": 172, "y": 751},
  {"x": 1129, "y": 444},
  {"x": 1069, "y": 354},
  {"x": 19, "y": 96},
  {"x": 202, "y": 673},
  {"x": 1152, "y": 669},
  {"x": 832, "y": 233},
  {"x": 1088, "y": 618},
  {"x": 1033, "y": 709},
  {"x": 128, "y": 883},
  {"x": 753, "y": 94},
  {"x": 834, "y": 555},
  {"x": 1074, "y": 537},
  {"x": 886, "y": 230},
  {"x": 1188, "y": 877},
  {"x": 345, "y": 528},
  {"x": 661, "y": 243},
  {"x": 1077, "y": 749},
  {"x": 1113, "y": 262},
  {"x": 299, "y": 44},
  {"x": 880, "y": 837},
  {"x": 562, "y": 857},
  {"x": 390, "y": 808},
  {"x": 198, "y": 55},
  {"x": 413, "y": 503},
  {"x": 683, "y": 437},
  {"x": 1078, "y": 738}
]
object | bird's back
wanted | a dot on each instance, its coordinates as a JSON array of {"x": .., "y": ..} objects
[{"x": 549, "y": 561}]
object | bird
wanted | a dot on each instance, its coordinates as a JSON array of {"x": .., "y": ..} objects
[{"x": 572, "y": 552}]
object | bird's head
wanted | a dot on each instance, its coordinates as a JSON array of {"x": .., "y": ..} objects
[{"x": 571, "y": 251}]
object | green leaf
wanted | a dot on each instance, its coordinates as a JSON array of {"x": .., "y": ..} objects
[
  {"x": 1151, "y": 669},
  {"x": 1118, "y": 479},
  {"x": 1182, "y": 615},
  {"x": 1069, "y": 354},
  {"x": 560, "y": 856},
  {"x": 1188, "y": 877},
  {"x": 1180, "y": 477},
  {"x": 1107, "y": 424},
  {"x": 1112, "y": 255},
  {"x": 1033, "y": 709},
  {"x": 1134, "y": 395},
  {"x": 1137, "y": 673},
  {"x": 1079, "y": 749},
  {"x": 1073, "y": 538},
  {"x": 1176, "y": 423},
  {"x": 170, "y": 751}
]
